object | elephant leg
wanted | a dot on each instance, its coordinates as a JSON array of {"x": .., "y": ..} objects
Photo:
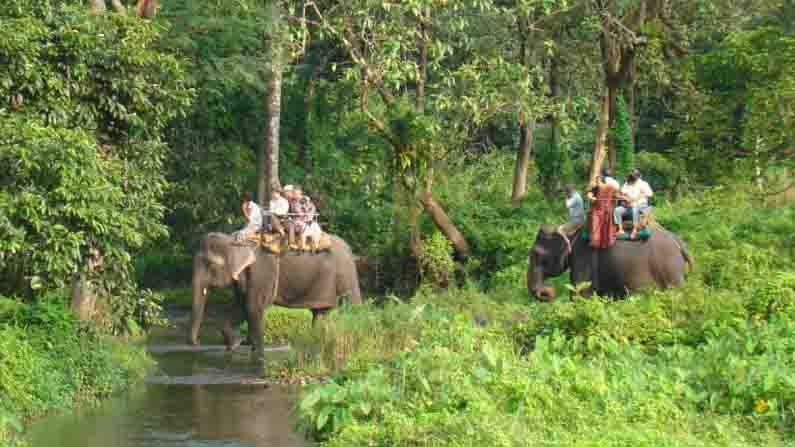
[
  {"x": 254, "y": 310},
  {"x": 231, "y": 329}
]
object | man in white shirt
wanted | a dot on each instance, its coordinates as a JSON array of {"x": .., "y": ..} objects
[
  {"x": 253, "y": 215},
  {"x": 279, "y": 208},
  {"x": 635, "y": 193}
]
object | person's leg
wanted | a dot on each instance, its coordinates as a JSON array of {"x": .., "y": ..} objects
[
  {"x": 618, "y": 214},
  {"x": 635, "y": 221},
  {"x": 276, "y": 225},
  {"x": 291, "y": 234},
  {"x": 643, "y": 221}
]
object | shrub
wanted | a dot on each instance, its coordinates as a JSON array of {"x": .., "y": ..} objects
[
  {"x": 436, "y": 260},
  {"x": 49, "y": 361}
]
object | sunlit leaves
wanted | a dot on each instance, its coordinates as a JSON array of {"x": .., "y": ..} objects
[{"x": 80, "y": 148}]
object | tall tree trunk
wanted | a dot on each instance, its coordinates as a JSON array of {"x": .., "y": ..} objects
[
  {"x": 84, "y": 293},
  {"x": 554, "y": 91},
  {"x": 612, "y": 89},
  {"x": 84, "y": 297},
  {"x": 522, "y": 161},
  {"x": 268, "y": 159},
  {"x": 526, "y": 129},
  {"x": 600, "y": 146},
  {"x": 629, "y": 91}
]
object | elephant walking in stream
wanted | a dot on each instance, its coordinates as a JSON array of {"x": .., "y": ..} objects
[
  {"x": 260, "y": 279},
  {"x": 626, "y": 266}
]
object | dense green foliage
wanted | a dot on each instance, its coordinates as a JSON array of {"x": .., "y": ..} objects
[
  {"x": 82, "y": 153},
  {"x": 123, "y": 140},
  {"x": 50, "y": 361},
  {"x": 621, "y": 133}
]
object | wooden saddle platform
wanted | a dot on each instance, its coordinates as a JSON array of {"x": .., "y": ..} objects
[
  {"x": 276, "y": 243},
  {"x": 647, "y": 226}
]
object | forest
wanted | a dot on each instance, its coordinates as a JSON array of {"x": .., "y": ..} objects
[{"x": 437, "y": 138}]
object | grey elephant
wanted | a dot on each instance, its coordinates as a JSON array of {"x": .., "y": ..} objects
[
  {"x": 314, "y": 281},
  {"x": 626, "y": 266}
]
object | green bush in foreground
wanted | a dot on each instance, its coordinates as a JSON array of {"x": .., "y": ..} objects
[{"x": 49, "y": 361}]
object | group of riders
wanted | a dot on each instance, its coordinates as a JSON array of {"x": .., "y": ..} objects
[
  {"x": 290, "y": 213},
  {"x": 610, "y": 203}
]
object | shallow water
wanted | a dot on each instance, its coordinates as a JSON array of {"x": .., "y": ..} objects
[{"x": 195, "y": 398}]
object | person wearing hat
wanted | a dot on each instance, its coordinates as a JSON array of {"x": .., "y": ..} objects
[
  {"x": 636, "y": 193},
  {"x": 303, "y": 213},
  {"x": 279, "y": 208}
]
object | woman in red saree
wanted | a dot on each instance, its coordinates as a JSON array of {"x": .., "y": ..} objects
[{"x": 603, "y": 232}]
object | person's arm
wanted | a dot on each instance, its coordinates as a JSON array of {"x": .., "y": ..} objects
[{"x": 647, "y": 190}]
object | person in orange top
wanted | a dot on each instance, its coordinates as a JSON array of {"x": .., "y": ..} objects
[{"x": 602, "y": 195}]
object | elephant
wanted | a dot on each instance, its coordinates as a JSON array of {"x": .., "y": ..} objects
[
  {"x": 259, "y": 279},
  {"x": 626, "y": 266}
]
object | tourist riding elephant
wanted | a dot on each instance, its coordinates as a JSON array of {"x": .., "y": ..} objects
[
  {"x": 312, "y": 281},
  {"x": 624, "y": 267}
]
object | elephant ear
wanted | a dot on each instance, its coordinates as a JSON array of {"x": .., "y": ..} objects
[{"x": 238, "y": 259}]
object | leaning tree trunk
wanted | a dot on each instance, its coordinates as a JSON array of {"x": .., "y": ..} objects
[
  {"x": 268, "y": 157},
  {"x": 600, "y": 146},
  {"x": 443, "y": 223}
]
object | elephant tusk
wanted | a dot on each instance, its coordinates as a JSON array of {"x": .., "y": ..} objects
[{"x": 204, "y": 292}]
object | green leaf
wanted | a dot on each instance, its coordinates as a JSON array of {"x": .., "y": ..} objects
[
  {"x": 310, "y": 400},
  {"x": 323, "y": 417}
]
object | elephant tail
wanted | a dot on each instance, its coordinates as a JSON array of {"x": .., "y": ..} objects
[{"x": 685, "y": 254}]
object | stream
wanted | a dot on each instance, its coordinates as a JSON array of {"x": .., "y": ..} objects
[{"x": 202, "y": 397}]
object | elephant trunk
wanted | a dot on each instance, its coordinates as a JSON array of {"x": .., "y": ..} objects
[
  {"x": 197, "y": 311},
  {"x": 535, "y": 283}
]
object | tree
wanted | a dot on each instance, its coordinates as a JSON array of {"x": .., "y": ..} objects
[
  {"x": 81, "y": 160},
  {"x": 268, "y": 155},
  {"x": 745, "y": 87},
  {"x": 430, "y": 75}
]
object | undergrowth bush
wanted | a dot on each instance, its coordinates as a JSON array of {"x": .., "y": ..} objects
[
  {"x": 50, "y": 361},
  {"x": 708, "y": 364}
]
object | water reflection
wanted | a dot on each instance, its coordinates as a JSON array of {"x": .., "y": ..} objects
[{"x": 193, "y": 410}]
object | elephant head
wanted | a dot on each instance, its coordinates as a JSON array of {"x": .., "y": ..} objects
[
  {"x": 549, "y": 257},
  {"x": 217, "y": 263}
]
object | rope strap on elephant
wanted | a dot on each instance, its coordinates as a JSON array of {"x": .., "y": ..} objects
[{"x": 275, "y": 292}]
